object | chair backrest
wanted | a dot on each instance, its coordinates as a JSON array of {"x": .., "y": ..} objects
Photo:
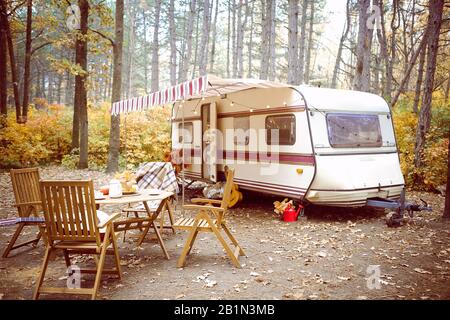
[
  {"x": 69, "y": 210},
  {"x": 227, "y": 189},
  {"x": 25, "y": 183}
]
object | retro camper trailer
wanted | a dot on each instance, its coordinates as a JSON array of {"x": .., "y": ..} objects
[{"x": 322, "y": 146}]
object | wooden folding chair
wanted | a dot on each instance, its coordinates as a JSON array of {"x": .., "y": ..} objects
[
  {"x": 204, "y": 222},
  {"x": 72, "y": 226},
  {"x": 25, "y": 184}
]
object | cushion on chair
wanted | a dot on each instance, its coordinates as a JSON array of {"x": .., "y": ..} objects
[{"x": 13, "y": 221}]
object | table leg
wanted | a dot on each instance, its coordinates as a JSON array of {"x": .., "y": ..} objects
[
  {"x": 153, "y": 217},
  {"x": 161, "y": 242}
]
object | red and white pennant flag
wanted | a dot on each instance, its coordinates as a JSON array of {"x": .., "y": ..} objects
[{"x": 179, "y": 92}]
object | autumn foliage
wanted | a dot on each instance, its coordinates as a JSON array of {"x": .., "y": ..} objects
[
  {"x": 434, "y": 171},
  {"x": 46, "y": 138},
  {"x": 146, "y": 137}
]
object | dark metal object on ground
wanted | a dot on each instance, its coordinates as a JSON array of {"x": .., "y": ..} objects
[{"x": 399, "y": 206}]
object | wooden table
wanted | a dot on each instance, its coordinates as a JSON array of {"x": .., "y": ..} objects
[{"x": 142, "y": 223}]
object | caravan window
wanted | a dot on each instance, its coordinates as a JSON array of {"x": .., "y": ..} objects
[
  {"x": 188, "y": 133},
  {"x": 354, "y": 130},
  {"x": 241, "y": 131},
  {"x": 281, "y": 128}
]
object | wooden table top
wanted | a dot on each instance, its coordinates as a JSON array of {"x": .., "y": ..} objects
[{"x": 142, "y": 196}]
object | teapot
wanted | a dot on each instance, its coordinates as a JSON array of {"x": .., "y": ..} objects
[{"x": 115, "y": 189}]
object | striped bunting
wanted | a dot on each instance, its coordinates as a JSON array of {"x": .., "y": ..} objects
[{"x": 169, "y": 95}]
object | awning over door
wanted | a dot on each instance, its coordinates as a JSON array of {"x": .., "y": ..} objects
[{"x": 206, "y": 86}]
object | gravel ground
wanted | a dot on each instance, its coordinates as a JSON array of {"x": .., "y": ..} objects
[{"x": 331, "y": 254}]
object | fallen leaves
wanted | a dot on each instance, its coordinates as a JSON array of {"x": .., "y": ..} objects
[{"x": 422, "y": 271}]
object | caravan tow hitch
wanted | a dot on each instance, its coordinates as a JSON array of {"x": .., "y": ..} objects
[{"x": 396, "y": 217}]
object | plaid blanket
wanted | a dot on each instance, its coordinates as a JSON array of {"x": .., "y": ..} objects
[
  {"x": 13, "y": 221},
  {"x": 157, "y": 175}
]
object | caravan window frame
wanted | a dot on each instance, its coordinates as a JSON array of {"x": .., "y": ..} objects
[
  {"x": 293, "y": 138},
  {"x": 357, "y": 143},
  {"x": 247, "y": 131},
  {"x": 180, "y": 128}
]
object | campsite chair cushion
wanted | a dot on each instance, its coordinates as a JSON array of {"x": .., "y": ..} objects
[
  {"x": 13, "y": 221},
  {"x": 210, "y": 218},
  {"x": 74, "y": 226}
]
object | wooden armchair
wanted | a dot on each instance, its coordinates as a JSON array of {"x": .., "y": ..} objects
[
  {"x": 25, "y": 183},
  {"x": 210, "y": 218},
  {"x": 72, "y": 226}
]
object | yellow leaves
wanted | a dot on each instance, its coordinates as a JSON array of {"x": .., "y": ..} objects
[{"x": 434, "y": 171}]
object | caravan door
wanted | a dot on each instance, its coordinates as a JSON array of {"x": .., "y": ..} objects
[{"x": 209, "y": 145}]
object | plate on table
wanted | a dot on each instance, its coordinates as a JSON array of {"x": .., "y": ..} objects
[{"x": 130, "y": 193}]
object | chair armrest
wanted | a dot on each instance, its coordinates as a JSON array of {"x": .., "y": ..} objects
[
  {"x": 109, "y": 220},
  {"x": 196, "y": 206},
  {"x": 209, "y": 201},
  {"x": 27, "y": 204}
]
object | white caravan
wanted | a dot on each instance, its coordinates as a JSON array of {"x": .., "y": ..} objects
[{"x": 314, "y": 145}]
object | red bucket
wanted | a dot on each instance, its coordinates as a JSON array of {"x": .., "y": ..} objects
[{"x": 290, "y": 215}]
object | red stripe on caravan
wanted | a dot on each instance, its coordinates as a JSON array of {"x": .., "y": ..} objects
[{"x": 271, "y": 185}]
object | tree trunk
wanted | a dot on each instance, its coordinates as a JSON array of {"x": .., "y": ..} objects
[
  {"x": 114, "y": 133},
  {"x": 145, "y": 53},
  {"x": 195, "y": 61},
  {"x": 234, "y": 41},
  {"x": 155, "y": 48},
  {"x": 293, "y": 41},
  {"x": 229, "y": 40},
  {"x": 187, "y": 45},
  {"x": 250, "y": 42},
  {"x": 413, "y": 60},
  {"x": 434, "y": 25},
  {"x": 206, "y": 26},
  {"x": 265, "y": 34},
  {"x": 302, "y": 45},
  {"x": 310, "y": 43},
  {"x": 131, "y": 47},
  {"x": 423, "y": 53},
  {"x": 361, "y": 82},
  {"x": 213, "y": 38},
  {"x": 3, "y": 66},
  {"x": 341, "y": 47},
  {"x": 81, "y": 83},
  {"x": 12, "y": 60},
  {"x": 27, "y": 66},
  {"x": 272, "y": 40},
  {"x": 242, "y": 25},
  {"x": 173, "y": 43},
  {"x": 447, "y": 89}
]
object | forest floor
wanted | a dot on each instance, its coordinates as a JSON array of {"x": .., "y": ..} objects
[{"x": 328, "y": 255}]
